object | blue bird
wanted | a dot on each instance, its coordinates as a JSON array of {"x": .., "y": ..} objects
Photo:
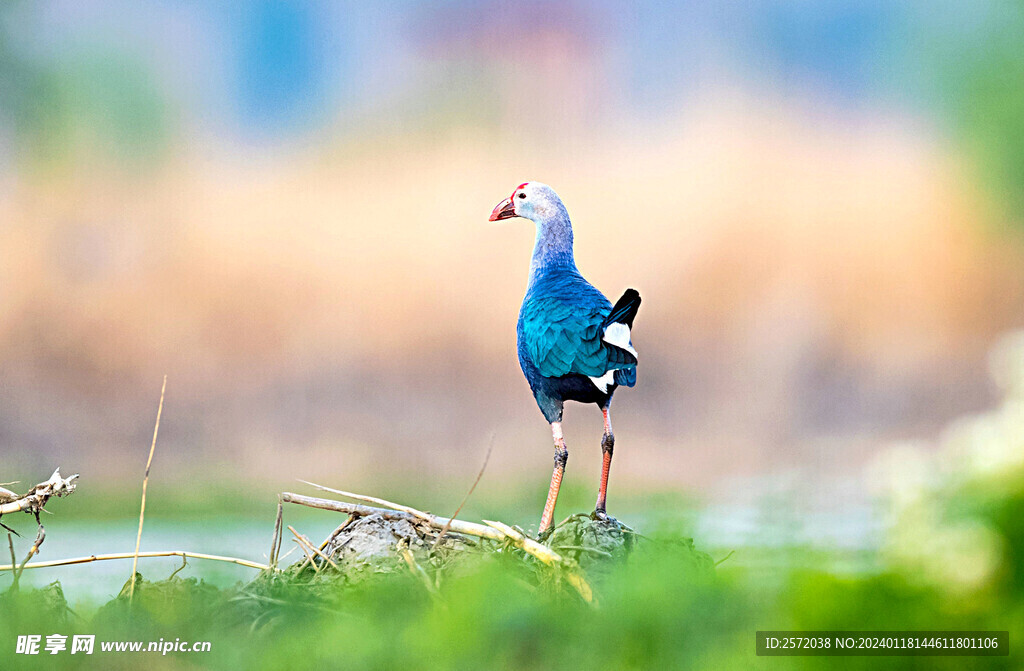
[{"x": 574, "y": 345}]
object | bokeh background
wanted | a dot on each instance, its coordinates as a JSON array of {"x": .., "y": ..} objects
[{"x": 283, "y": 207}]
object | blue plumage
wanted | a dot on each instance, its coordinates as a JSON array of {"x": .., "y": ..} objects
[
  {"x": 560, "y": 345},
  {"x": 573, "y": 344},
  {"x": 563, "y": 324}
]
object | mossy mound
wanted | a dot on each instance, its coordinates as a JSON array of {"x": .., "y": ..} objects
[
  {"x": 43, "y": 605},
  {"x": 592, "y": 542},
  {"x": 160, "y": 602}
]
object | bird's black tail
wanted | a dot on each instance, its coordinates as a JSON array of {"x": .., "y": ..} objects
[
  {"x": 625, "y": 309},
  {"x": 625, "y": 377},
  {"x": 616, "y": 332}
]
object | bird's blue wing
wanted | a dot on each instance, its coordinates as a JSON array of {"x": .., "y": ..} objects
[{"x": 562, "y": 338}]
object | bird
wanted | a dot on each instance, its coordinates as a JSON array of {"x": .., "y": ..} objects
[{"x": 573, "y": 343}]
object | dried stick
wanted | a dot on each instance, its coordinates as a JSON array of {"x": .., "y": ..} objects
[
  {"x": 275, "y": 546},
  {"x": 36, "y": 498},
  {"x": 572, "y": 577},
  {"x": 184, "y": 563},
  {"x": 372, "y": 499},
  {"x": 40, "y": 537},
  {"x": 465, "y": 498},
  {"x": 530, "y": 546},
  {"x": 143, "y": 555},
  {"x": 418, "y": 571},
  {"x": 309, "y": 556},
  {"x": 14, "y": 560},
  {"x": 145, "y": 481},
  {"x": 496, "y": 531},
  {"x": 327, "y": 541},
  {"x": 355, "y": 509},
  {"x": 334, "y": 534},
  {"x": 305, "y": 542}
]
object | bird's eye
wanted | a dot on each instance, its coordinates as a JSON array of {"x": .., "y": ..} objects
[{"x": 522, "y": 195}]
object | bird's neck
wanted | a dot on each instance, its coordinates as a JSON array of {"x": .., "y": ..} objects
[{"x": 553, "y": 248}]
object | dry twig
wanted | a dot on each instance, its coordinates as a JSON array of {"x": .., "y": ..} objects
[
  {"x": 465, "y": 498},
  {"x": 494, "y": 530},
  {"x": 184, "y": 563},
  {"x": 418, "y": 571},
  {"x": 145, "y": 482},
  {"x": 306, "y": 544},
  {"x": 141, "y": 555},
  {"x": 34, "y": 502},
  {"x": 305, "y": 550},
  {"x": 14, "y": 560},
  {"x": 373, "y": 499},
  {"x": 36, "y": 498},
  {"x": 275, "y": 546},
  {"x": 40, "y": 537}
]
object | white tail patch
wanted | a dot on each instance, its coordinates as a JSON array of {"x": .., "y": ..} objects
[
  {"x": 605, "y": 381},
  {"x": 618, "y": 334}
]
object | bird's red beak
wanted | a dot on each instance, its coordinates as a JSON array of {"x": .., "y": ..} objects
[{"x": 506, "y": 209}]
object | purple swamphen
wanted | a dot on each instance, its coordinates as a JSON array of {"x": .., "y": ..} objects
[{"x": 574, "y": 345}]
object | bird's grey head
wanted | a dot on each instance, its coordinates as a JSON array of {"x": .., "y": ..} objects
[{"x": 530, "y": 200}]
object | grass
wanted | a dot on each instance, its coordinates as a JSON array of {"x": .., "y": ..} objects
[{"x": 661, "y": 609}]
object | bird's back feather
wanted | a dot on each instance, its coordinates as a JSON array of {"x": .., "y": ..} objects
[{"x": 562, "y": 327}]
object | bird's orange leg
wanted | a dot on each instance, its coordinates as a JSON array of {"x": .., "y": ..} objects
[
  {"x": 607, "y": 445},
  {"x": 561, "y": 456}
]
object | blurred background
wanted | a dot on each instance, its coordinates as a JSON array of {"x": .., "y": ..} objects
[{"x": 283, "y": 207}]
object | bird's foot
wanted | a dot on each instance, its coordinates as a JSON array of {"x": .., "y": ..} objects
[{"x": 602, "y": 516}]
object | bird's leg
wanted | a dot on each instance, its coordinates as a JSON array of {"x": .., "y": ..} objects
[
  {"x": 607, "y": 446},
  {"x": 561, "y": 456}
]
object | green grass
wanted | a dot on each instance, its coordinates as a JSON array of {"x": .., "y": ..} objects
[
  {"x": 662, "y": 609},
  {"x": 659, "y": 610}
]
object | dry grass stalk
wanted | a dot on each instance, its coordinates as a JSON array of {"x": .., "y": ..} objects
[
  {"x": 145, "y": 482},
  {"x": 40, "y": 537},
  {"x": 141, "y": 555},
  {"x": 445, "y": 524},
  {"x": 327, "y": 541},
  {"x": 521, "y": 541},
  {"x": 582, "y": 586},
  {"x": 305, "y": 550},
  {"x": 495, "y": 531},
  {"x": 372, "y": 499},
  {"x": 275, "y": 546},
  {"x": 419, "y": 572},
  {"x": 472, "y": 488},
  {"x": 573, "y": 577},
  {"x": 307, "y": 544},
  {"x": 359, "y": 510},
  {"x": 14, "y": 560}
]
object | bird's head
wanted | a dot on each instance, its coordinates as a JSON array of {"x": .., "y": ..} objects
[{"x": 530, "y": 200}]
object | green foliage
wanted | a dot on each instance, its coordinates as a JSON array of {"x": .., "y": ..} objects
[{"x": 662, "y": 608}]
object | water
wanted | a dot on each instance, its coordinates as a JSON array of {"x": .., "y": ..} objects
[
  {"x": 98, "y": 582},
  {"x": 761, "y": 532}
]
